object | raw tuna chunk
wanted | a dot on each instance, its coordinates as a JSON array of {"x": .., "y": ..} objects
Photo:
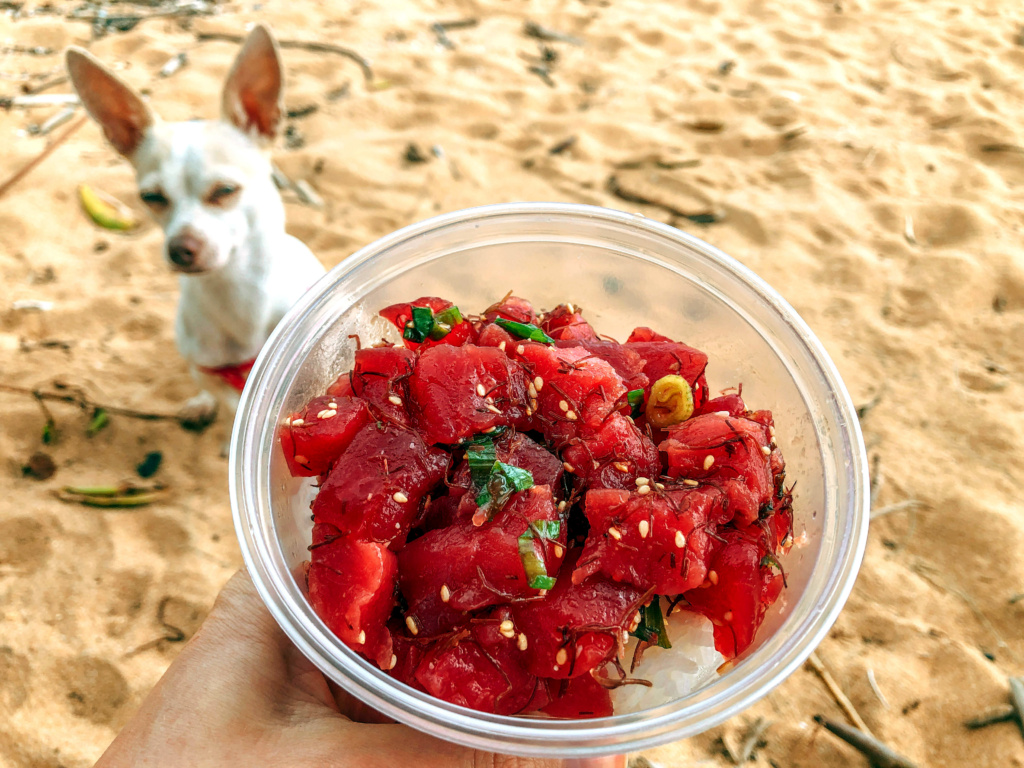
[
  {"x": 577, "y": 389},
  {"x": 578, "y": 698},
  {"x": 613, "y": 456},
  {"x": 342, "y": 387},
  {"x": 400, "y": 314},
  {"x": 565, "y": 322},
  {"x": 497, "y": 635},
  {"x": 315, "y": 436},
  {"x": 673, "y": 358},
  {"x": 738, "y": 591},
  {"x": 731, "y": 404},
  {"x": 375, "y": 488},
  {"x": 627, "y": 363},
  {"x": 458, "y": 392},
  {"x": 461, "y": 673},
  {"x": 351, "y": 587},
  {"x": 380, "y": 377},
  {"x": 577, "y": 626},
  {"x": 512, "y": 308},
  {"x": 476, "y": 566},
  {"x": 730, "y": 453},
  {"x": 658, "y": 541}
]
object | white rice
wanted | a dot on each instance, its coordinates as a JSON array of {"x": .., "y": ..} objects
[{"x": 689, "y": 664}]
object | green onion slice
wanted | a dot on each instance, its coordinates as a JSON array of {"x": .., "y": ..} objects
[
  {"x": 422, "y": 324},
  {"x": 524, "y": 330},
  {"x": 536, "y": 571},
  {"x": 503, "y": 481}
]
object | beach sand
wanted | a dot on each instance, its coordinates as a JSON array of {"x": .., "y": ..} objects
[{"x": 867, "y": 157}]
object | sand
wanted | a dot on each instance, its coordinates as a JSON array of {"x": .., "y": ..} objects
[{"x": 866, "y": 155}]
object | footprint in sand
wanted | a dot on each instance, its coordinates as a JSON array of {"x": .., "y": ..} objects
[{"x": 95, "y": 689}]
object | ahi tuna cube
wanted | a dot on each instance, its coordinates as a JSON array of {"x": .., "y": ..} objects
[
  {"x": 380, "y": 377},
  {"x": 315, "y": 436}
]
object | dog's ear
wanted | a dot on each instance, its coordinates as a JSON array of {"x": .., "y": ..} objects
[
  {"x": 253, "y": 98},
  {"x": 119, "y": 110}
]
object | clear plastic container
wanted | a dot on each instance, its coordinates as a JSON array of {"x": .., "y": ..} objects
[{"x": 624, "y": 270}]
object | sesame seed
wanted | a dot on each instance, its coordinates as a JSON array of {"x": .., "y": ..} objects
[
  {"x": 489, "y": 430},
  {"x": 571, "y": 308},
  {"x": 564, "y": 406},
  {"x": 642, "y": 481},
  {"x": 492, "y": 408},
  {"x": 561, "y": 657},
  {"x": 490, "y": 400},
  {"x": 542, "y": 592},
  {"x": 362, "y": 637},
  {"x": 538, "y": 382},
  {"x": 410, "y": 622},
  {"x": 521, "y": 642},
  {"x": 645, "y": 528},
  {"x": 727, "y": 616},
  {"x": 301, "y": 460},
  {"x": 559, "y": 550},
  {"x": 529, "y": 410},
  {"x": 333, "y": 405},
  {"x": 624, "y": 636},
  {"x": 502, "y": 346},
  {"x": 568, "y": 467},
  {"x": 327, "y": 413},
  {"x": 533, "y": 403},
  {"x": 659, "y": 487},
  {"x": 691, "y": 483},
  {"x": 708, "y": 461},
  {"x": 615, "y": 533},
  {"x": 400, "y": 497},
  {"x": 394, "y": 399},
  {"x": 680, "y": 539},
  {"x": 722, "y": 413},
  {"x": 713, "y": 577},
  {"x": 635, "y": 622},
  {"x": 766, "y": 450},
  {"x": 570, "y": 415},
  {"x": 561, "y": 506},
  {"x": 507, "y": 629},
  {"x": 446, "y": 594},
  {"x": 297, "y": 422},
  {"x": 394, "y": 662},
  {"x": 532, "y": 390},
  {"x": 621, "y": 466},
  {"x": 594, "y": 464},
  {"x": 520, "y": 349},
  {"x": 480, "y": 390},
  {"x": 643, "y": 490}
]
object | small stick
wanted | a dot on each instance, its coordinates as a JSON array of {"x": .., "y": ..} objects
[
  {"x": 458, "y": 23},
  {"x": 1017, "y": 697},
  {"x": 31, "y": 164},
  {"x": 40, "y": 100},
  {"x": 874, "y": 687},
  {"x": 880, "y": 755},
  {"x": 46, "y": 85},
  {"x": 999, "y": 714},
  {"x": 754, "y": 734},
  {"x": 304, "y": 45},
  {"x": 837, "y": 693},
  {"x": 78, "y": 398},
  {"x": 55, "y": 122},
  {"x": 533, "y": 29},
  {"x": 899, "y": 506}
]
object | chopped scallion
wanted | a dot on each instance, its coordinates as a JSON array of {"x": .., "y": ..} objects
[{"x": 524, "y": 330}]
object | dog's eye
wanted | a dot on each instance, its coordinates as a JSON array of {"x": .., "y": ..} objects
[
  {"x": 222, "y": 193},
  {"x": 155, "y": 199}
]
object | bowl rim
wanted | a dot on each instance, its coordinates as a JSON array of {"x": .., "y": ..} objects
[{"x": 530, "y": 736}]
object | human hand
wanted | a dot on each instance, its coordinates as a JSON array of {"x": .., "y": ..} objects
[{"x": 241, "y": 694}]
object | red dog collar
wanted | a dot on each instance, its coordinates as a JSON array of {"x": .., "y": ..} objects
[{"x": 233, "y": 375}]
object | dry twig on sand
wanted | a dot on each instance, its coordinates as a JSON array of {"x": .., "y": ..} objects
[
  {"x": 302, "y": 45},
  {"x": 841, "y": 698},
  {"x": 47, "y": 151},
  {"x": 881, "y": 756}
]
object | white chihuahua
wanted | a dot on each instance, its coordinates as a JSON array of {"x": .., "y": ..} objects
[{"x": 209, "y": 185}]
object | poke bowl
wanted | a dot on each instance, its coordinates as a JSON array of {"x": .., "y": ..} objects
[{"x": 626, "y": 271}]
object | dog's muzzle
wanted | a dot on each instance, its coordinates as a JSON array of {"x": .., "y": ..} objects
[{"x": 184, "y": 252}]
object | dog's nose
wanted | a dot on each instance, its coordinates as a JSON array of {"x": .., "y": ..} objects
[{"x": 184, "y": 250}]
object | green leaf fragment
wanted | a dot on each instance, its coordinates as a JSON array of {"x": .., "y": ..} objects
[
  {"x": 420, "y": 326},
  {"x": 635, "y": 397},
  {"x": 481, "y": 460},
  {"x": 527, "y": 331},
  {"x": 652, "y": 624},
  {"x": 100, "y": 419}
]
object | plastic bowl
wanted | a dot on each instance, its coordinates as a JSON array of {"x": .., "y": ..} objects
[{"x": 625, "y": 271}]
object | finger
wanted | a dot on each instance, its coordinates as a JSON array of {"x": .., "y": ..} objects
[
  {"x": 613, "y": 761},
  {"x": 354, "y": 709}
]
